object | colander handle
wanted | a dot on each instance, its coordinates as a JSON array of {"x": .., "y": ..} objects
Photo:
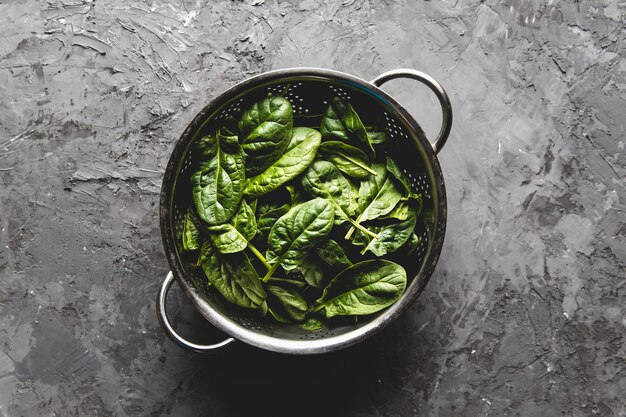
[
  {"x": 169, "y": 330},
  {"x": 441, "y": 94}
]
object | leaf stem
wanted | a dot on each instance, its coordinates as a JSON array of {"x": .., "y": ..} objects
[
  {"x": 259, "y": 255},
  {"x": 270, "y": 272},
  {"x": 288, "y": 281},
  {"x": 361, "y": 228}
]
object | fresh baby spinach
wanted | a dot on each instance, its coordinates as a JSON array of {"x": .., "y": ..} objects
[
  {"x": 219, "y": 181},
  {"x": 297, "y": 221},
  {"x": 363, "y": 288}
]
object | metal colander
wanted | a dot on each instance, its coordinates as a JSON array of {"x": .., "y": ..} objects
[{"x": 309, "y": 91}]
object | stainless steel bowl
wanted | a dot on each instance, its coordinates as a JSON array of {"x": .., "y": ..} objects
[{"x": 309, "y": 90}]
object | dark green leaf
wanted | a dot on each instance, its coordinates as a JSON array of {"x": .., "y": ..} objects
[
  {"x": 391, "y": 234},
  {"x": 230, "y": 127},
  {"x": 191, "y": 237},
  {"x": 265, "y": 132},
  {"x": 401, "y": 177},
  {"x": 378, "y": 195},
  {"x": 234, "y": 236},
  {"x": 218, "y": 183},
  {"x": 297, "y": 157},
  {"x": 296, "y": 231},
  {"x": 332, "y": 253},
  {"x": 412, "y": 243},
  {"x": 341, "y": 122},
  {"x": 364, "y": 288},
  {"x": 234, "y": 277},
  {"x": 311, "y": 324},
  {"x": 286, "y": 304},
  {"x": 295, "y": 193},
  {"x": 323, "y": 179},
  {"x": 350, "y": 160},
  {"x": 375, "y": 136},
  {"x": 400, "y": 211},
  {"x": 268, "y": 214},
  {"x": 312, "y": 270},
  {"x": 252, "y": 205}
]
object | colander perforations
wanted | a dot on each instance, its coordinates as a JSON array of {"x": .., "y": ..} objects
[{"x": 309, "y": 98}]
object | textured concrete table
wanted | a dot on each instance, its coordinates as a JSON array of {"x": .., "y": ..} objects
[{"x": 525, "y": 313}]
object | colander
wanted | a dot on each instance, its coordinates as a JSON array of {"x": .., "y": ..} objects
[{"x": 309, "y": 90}]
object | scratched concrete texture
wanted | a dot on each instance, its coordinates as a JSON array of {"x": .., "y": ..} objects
[{"x": 524, "y": 315}]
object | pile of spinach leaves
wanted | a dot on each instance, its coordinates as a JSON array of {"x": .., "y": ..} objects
[{"x": 295, "y": 221}]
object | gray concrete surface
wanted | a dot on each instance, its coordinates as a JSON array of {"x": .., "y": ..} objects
[{"x": 525, "y": 313}]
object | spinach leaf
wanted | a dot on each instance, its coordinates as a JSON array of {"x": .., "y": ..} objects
[
  {"x": 234, "y": 236},
  {"x": 295, "y": 232},
  {"x": 234, "y": 277},
  {"x": 400, "y": 176},
  {"x": 297, "y": 157},
  {"x": 364, "y": 288},
  {"x": 332, "y": 253},
  {"x": 400, "y": 211},
  {"x": 312, "y": 270},
  {"x": 230, "y": 127},
  {"x": 341, "y": 122},
  {"x": 378, "y": 195},
  {"x": 295, "y": 193},
  {"x": 375, "y": 136},
  {"x": 391, "y": 235},
  {"x": 323, "y": 179},
  {"x": 191, "y": 232},
  {"x": 268, "y": 214},
  {"x": 350, "y": 160},
  {"x": 219, "y": 181},
  {"x": 265, "y": 132},
  {"x": 311, "y": 324},
  {"x": 412, "y": 243},
  {"x": 252, "y": 204},
  {"x": 286, "y": 304}
]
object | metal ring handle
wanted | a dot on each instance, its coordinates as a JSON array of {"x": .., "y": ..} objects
[
  {"x": 441, "y": 94},
  {"x": 169, "y": 330}
]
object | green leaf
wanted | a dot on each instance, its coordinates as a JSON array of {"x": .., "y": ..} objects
[
  {"x": 191, "y": 232},
  {"x": 234, "y": 277},
  {"x": 332, "y": 253},
  {"x": 412, "y": 243},
  {"x": 252, "y": 205},
  {"x": 296, "y": 193},
  {"x": 375, "y": 136},
  {"x": 341, "y": 122},
  {"x": 364, "y": 288},
  {"x": 265, "y": 132},
  {"x": 312, "y": 270},
  {"x": 219, "y": 181},
  {"x": 391, "y": 235},
  {"x": 311, "y": 324},
  {"x": 427, "y": 218},
  {"x": 350, "y": 160},
  {"x": 378, "y": 195},
  {"x": 230, "y": 128},
  {"x": 295, "y": 232},
  {"x": 286, "y": 304},
  {"x": 401, "y": 177},
  {"x": 324, "y": 180},
  {"x": 268, "y": 215},
  {"x": 297, "y": 157},
  {"x": 234, "y": 236},
  {"x": 400, "y": 211}
]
